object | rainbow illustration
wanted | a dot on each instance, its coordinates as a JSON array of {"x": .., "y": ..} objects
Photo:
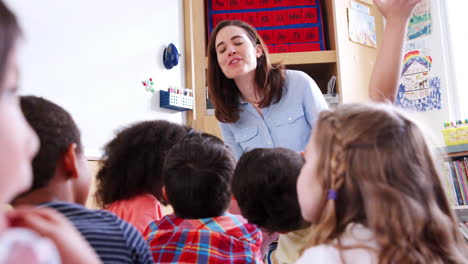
[{"x": 415, "y": 56}]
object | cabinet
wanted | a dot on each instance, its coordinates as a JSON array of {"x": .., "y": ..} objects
[{"x": 350, "y": 62}]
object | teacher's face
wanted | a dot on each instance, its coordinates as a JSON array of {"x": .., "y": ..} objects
[{"x": 237, "y": 55}]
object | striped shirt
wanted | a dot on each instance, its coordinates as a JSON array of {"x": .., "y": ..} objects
[
  {"x": 223, "y": 239},
  {"x": 114, "y": 240}
]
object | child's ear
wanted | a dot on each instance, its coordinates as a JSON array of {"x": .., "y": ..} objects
[
  {"x": 164, "y": 194},
  {"x": 70, "y": 162}
]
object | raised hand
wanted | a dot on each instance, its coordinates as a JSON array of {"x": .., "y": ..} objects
[{"x": 399, "y": 10}]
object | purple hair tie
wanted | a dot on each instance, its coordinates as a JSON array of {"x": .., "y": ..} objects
[{"x": 332, "y": 194}]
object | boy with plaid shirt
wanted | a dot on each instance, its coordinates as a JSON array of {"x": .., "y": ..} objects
[{"x": 197, "y": 175}]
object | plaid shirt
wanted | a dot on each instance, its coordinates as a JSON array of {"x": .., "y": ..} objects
[{"x": 223, "y": 239}]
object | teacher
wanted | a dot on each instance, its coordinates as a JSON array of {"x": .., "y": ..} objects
[{"x": 258, "y": 104}]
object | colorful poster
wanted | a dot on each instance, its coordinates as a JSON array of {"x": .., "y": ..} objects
[
  {"x": 418, "y": 90},
  {"x": 362, "y": 28},
  {"x": 420, "y": 23}
]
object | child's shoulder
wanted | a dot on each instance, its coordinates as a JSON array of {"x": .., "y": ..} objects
[
  {"x": 359, "y": 238},
  {"x": 320, "y": 254}
]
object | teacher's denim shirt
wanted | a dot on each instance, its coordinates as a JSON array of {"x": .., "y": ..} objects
[{"x": 287, "y": 123}]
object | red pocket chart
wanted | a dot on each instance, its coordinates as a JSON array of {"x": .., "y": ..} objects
[
  {"x": 296, "y": 35},
  {"x": 309, "y": 2},
  {"x": 310, "y": 15},
  {"x": 265, "y": 3},
  {"x": 251, "y": 18},
  {"x": 282, "y": 24},
  {"x": 218, "y": 18},
  {"x": 279, "y": 17},
  {"x": 281, "y": 48},
  {"x": 267, "y": 36},
  {"x": 271, "y": 49},
  {"x": 251, "y": 4},
  {"x": 234, "y": 16},
  {"x": 280, "y": 36},
  {"x": 295, "y": 2},
  {"x": 235, "y": 4},
  {"x": 219, "y": 4},
  {"x": 280, "y": 3},
  {"x": 311, "y": 34},
  {"x": 294, "y": 16},
  {"x": 265, "y": 19},
  {"x": 301, "y": 47}
]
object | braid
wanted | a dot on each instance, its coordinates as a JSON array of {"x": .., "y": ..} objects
[
  {"x": 338, "y": 155},
  {"x": 327, "y": 223}
]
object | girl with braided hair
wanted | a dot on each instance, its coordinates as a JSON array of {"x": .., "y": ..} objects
[{"x": 370, "y": 187}]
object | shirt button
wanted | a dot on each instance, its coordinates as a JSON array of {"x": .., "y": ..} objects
[
  {"x": 269, "y": 142},
  {"x": 289, "y": 118}
]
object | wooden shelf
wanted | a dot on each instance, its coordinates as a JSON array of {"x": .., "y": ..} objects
[
  {"x": 457, "y": 154},
  {"x": 460, "y": 207},
  {"x": 311, "y": 57}
]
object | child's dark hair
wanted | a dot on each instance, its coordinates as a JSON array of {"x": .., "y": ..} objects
[
  {"x": 133, "y": 161},
  {"x": 197, "y": 176},
  {"x": 56, "y": 130},
  {"x": 264, "y": 185}
]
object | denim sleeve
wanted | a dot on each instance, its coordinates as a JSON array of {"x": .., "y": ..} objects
[
  {"x": 313, "y": 102},
  {"x": 229, "y": 140}
]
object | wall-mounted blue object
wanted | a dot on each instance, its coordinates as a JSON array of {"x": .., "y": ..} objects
[{"x": 171, "y": 56}]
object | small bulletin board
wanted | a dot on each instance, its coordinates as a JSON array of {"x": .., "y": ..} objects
[{"x": 284, "y": 25}]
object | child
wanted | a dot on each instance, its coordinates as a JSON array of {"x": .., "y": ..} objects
[
  {"x": 264, "y": 184},
  {"x": 19, "y": 144},
  {"x": 197, "y": 177},
  {"x": 61, "y": 181},
  {"x": 371, "y": 189},
  {"x": 129, "y": 182}
]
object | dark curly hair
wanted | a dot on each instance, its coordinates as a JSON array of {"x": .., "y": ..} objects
[
  {"x": 133, "y": 161},
  {"x": 264, "y": 184},
  {"x": 197, "y": 176},
  {"x": 56, "y": 130}
]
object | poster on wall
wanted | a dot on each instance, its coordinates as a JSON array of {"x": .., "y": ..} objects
[
  {"x": 362, "y": 28},
  {"x": 419, "y": 90},
  {"x": 420, "y": 23}
]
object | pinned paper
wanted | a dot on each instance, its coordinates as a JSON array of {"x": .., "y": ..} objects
[
  {"x": 360, "y": 7},
  {"x": 419, "y": 90},
  {"x": 362, "y": 28},
  {"x": 420, "y": 23}
]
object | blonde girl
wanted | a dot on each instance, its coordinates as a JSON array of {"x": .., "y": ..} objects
[{"x": 370, "y": 187}]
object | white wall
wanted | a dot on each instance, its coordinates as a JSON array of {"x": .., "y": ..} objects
[
  {"x": 90, "y": 57},
  {"x": 436, "y": 42},
  {"x": 456, "y": 20}
]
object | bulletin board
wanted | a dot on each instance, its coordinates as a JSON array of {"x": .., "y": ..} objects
[{"x": 284, "y": 25}]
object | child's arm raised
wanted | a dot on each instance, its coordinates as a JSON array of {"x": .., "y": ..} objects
[{"x": 386, "y": 72}]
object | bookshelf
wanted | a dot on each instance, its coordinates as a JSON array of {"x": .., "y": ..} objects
[{"x": 454, "y": 164}]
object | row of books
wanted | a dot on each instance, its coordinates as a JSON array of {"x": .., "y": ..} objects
[{"x": 455, "y": 180}]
